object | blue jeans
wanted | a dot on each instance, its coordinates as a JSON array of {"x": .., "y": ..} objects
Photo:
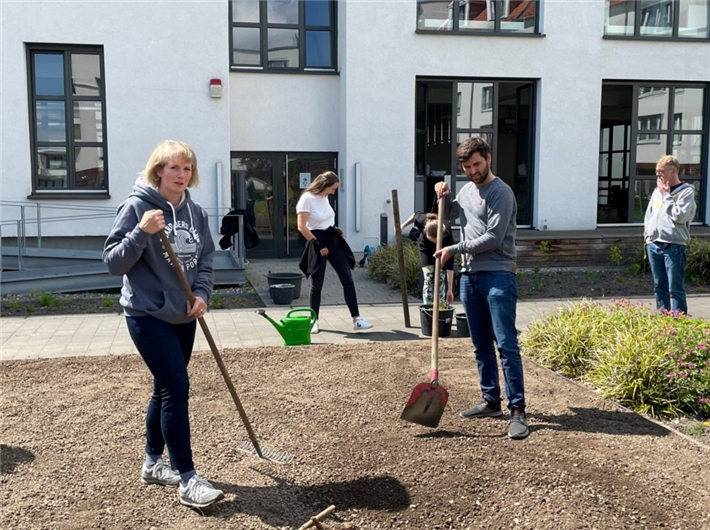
[
  {"x": 166, "y": 349},
  {"x": 667, "y": 261},
  {"x": 489, "y": 300}
]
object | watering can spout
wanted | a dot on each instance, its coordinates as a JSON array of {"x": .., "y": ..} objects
[{"x": 278, "y": 326}]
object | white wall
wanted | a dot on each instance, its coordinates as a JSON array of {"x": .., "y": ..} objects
[{"x": 159, "y": 58}]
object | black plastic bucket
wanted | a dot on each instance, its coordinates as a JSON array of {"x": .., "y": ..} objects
[
  {"x": 281, "y": 293},
  {"x": 462, "y": 325},
  {"x": 446, "y": 318},
  {"x": 286, "y": 277}
]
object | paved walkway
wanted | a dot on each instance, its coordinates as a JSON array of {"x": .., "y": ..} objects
[{"x": 72, "y": 335}]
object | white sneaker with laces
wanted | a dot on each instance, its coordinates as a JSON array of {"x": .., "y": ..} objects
[
  {"x": 199, "y": 493},
  {"x": 361, "y": 324},
  {"x": 315, "y": 329},
  {"x": 161, "y": 473}
]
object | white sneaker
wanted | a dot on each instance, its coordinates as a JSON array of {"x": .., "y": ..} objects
[
  {"x": 161, "y": 473},
  {"x": 361, "y": 324},
  {"x": 199, "y": 493},
  {"x": 315, "y": 329}
]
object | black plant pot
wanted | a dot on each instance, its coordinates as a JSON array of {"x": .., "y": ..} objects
[{"x": 446, "y": 318}]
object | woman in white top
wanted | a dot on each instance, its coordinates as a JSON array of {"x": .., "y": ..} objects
[{"x": 316, "y": 220}]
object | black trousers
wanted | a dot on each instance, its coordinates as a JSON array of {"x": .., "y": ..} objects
[{"x": 338, "y": 259}]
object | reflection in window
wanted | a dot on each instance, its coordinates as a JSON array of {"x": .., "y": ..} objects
[
  {"x": 681, "y": 19},
  {"x": 478, "y": 16},
  {"x": 292, "y": 29},
  {"x": 649, "y": 123}
]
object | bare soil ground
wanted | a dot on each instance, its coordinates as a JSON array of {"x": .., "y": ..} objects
[{"x": 72, "y": 447}]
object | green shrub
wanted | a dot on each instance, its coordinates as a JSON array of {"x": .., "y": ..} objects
[
  {"x": 697, "y": 263},
  {"x": 384, "y": 266},
  {"x": 107, "y": 301},
  {"x": 615, "y": 256},
  {"x": 216, "y": 301},
  {"x": 655, "y": 363},
  {"x": 45, "y": 299}
]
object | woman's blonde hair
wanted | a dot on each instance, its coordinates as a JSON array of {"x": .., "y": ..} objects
[
  {"x": 167, "y": 151},
  {"x": 323, "y": 181},
  {"x": 430, "y": 228}
]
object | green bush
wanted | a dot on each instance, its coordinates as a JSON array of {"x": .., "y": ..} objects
[
  {"x": 45, "y": 299},
  {"x": 384, "y": 266},
  {"x": 655, "y": 363},
  {"x": 697, "y": 263}
]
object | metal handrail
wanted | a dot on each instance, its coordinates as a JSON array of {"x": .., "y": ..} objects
[{"x": 96, "y": 212}]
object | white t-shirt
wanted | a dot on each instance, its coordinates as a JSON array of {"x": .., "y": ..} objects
[{"x": 321, "y": 214}]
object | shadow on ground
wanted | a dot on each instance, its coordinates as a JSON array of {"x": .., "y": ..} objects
[
  {"x": 11, "y": 456},
  {"x": 275, "y": 505}
]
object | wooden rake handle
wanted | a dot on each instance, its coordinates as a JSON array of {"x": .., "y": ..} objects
[
  {"x": 434, "y": 374},
  {"x": 217, "y": 357}
]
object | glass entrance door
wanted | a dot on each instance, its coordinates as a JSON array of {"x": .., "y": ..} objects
[{"x": 273, "y": 183}]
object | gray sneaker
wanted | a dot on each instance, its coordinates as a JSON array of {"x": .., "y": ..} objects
[
  {"x": 199, "y": 493},
  {"x": 161, "y": 473},
  {"x": 482, "y": 410},
  {"x": 518, "y": 426}
]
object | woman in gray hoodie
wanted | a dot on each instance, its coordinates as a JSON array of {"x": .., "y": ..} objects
[{"x": 160, "y": 319}]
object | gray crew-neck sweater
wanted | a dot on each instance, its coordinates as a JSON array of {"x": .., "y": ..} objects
[{"x": 488, "y": 227}]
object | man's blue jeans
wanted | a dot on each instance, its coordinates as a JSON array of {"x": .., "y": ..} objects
[
  {"x": 166, "y": 349},
  {"x": 489, "y": 300},
  {"x": 667, "y": 261}
]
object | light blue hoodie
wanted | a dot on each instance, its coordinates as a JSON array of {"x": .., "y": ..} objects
[{"x": 150, "y": 285}]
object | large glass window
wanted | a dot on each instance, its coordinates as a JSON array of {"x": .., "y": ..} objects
[
  {"x": 478, "y": 16},
  {"x": 283, "y": 35},
  {"x": 653, "y": 19},
  {"x": 67, "y": 120},
  {"x": 449, "y": 111},
  {"x": 640, "y": 123}
]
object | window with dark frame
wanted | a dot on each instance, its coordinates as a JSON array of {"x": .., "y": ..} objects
[
  {"x": 640, "y": 123},
  {"x": 67, "y": 120},
  {"x": 479, "y": 17},
  {"x": 657, "y": 19},
  {"x": 283, "y": 35}
]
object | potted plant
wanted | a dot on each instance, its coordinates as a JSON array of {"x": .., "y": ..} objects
[{"x": 446, "y": 317}]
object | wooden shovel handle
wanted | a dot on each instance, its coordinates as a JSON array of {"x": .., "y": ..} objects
[
  {"x": 434, "y": 374},
  {"x": 215, "y": 352}
]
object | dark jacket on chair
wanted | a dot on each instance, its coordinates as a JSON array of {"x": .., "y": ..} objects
[{"x": 230, "y": 226}]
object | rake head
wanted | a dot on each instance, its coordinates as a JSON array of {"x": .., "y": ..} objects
[{"x": 274, "y": 455}]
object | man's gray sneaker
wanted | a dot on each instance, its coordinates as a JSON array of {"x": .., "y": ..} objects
[
  {"x": 161, "y": 473},
  {"x": 482, "y": 410},
  {"x": 518, "y": 426},
  {"x": 199, "y": 493}
]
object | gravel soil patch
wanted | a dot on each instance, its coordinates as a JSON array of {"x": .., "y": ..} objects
[{"x": 72, "y": 447}]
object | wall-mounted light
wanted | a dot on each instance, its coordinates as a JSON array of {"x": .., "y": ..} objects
[{"x": 216, "y": 88}]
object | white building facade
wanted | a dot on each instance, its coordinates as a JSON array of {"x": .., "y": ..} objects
[{"x": 578, "y": 98}]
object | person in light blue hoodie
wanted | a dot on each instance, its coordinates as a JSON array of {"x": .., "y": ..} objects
[
  {"x": 666, "y": 231},
  {"x": 160, "y": 319}
]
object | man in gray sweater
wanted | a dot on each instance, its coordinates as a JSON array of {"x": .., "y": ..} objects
[
  {"x": 666, "y": 231},
  {"x": 487, "y": 210}
]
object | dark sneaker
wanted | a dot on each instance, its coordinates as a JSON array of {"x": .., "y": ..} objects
[
  {"x": 161, "y": 474},
  {"x": 482, "y": 410},
  {"x": 199, "y": 493},
  {"x": 518, "y": 426}
]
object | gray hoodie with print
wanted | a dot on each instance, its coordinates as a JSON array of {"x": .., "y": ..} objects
[
  {"x": 668, "y": 217},
  {"x": 150, "y": 285}
]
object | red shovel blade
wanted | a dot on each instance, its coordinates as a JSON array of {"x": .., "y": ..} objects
[{"x": 426, "y": 405}]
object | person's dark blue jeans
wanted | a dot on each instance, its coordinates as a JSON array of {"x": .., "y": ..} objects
[
  {"x": 489, "y": 300},
  {"x": 166, "y": 350},
  {"x": 339, "y": 260},
  {"x": 667, "y": 261}
]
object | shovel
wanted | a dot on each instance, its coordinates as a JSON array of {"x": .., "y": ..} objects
[
  {"x": 427, "y": 402},
  {"x": 248, "y": 447}
]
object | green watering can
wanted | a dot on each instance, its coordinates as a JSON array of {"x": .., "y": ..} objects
[{"x": 295, "y": 330}]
